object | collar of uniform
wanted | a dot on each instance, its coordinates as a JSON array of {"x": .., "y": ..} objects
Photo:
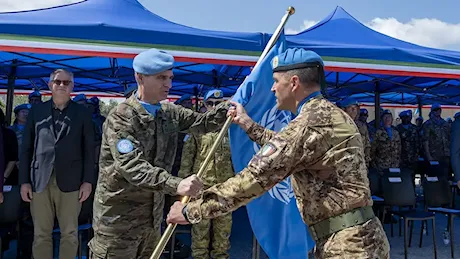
[
  {"x": 305, "y": 100},
  {"x": 150, "y": 108},
  {"x": 144, "y": 115}
]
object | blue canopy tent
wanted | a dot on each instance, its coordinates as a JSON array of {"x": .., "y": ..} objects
[
  {"x": 387, "y": 64},
  {"x": 97, "y": 39},
  {"x": 102, "y": 37}
]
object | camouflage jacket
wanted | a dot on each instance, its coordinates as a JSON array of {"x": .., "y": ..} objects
[
  {"x": 322, "y": 150},
  {"x": 409, "y": 144},
  {"x": 196, "y": 148},
  {"x": 362, "y": 127},
  {"x": 386, "y": 151},
  {"x": 137, "y": 154},
  {"x": 437, "y": 134}
]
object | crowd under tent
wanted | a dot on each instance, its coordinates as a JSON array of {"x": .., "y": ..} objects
[{"x": 102, "y": 37}]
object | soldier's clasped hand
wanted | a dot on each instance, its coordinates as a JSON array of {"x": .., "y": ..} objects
[
  {"x": 239, "y": 115},
  {"x": 190, "y": 186}
]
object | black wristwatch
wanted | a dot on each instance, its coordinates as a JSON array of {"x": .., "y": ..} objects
[{"x": 184, "y": 212}]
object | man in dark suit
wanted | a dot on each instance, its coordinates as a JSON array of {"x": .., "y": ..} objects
[{"x": 57, "y": 166}]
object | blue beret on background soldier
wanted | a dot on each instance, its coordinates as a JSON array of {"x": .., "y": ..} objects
[
  {"x": 323, "y": 151},
  {"x": 220, "y": 169},
  {"x": 35, "y": 97},
  {"x": 351, "y": 107},
  {"x": 137, "y": 153}
]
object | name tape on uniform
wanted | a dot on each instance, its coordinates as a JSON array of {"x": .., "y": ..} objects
[{"x": 125, "y": 146}]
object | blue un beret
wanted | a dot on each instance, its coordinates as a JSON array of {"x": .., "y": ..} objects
[
  {"x": 386, "y": 112},
  {"x": 183, "y": 98},
  {"x": 152, "y": 62},
  {"x": 457, "y": 115},
  {"x": 79, "y": 97},
  {"x": 93, "y": 101},
  {"x": 36, "y": 93},
  {"x": 435, "y": 106},
  {"x": 214, "y": 93},
  {"x": 296, "y": 58},
  {"x": 21, "y": 107},
  {"x": 363, "y": 111},
  {"x": 405, "y": 113},
  {"x": 348, "y": 102}
]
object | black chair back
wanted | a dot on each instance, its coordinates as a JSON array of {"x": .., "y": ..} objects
[
  {"x": 11, "y": 206},
  {"x": 398, "y": 191},
  {"x": 436, "y": 192},
  {"x": 436, "y": 169},
  {"x": 375, "y": 183}
]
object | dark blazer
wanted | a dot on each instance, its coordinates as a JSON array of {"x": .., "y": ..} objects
[{"x": 70, "y": 152}]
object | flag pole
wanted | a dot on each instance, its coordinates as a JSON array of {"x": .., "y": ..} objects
[{"x": 171, "y": 227}]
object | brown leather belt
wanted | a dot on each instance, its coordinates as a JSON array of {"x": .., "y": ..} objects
[{"x": 335, "y": 224}]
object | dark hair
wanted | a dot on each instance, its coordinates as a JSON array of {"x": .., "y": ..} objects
[
  {"x": 307, "y": 76},
  {"x": 2, "y": 118}
]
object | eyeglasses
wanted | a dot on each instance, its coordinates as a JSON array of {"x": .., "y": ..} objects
[
  {"x": 59, "y": 82},
  {"x": 213, "y": 103}
]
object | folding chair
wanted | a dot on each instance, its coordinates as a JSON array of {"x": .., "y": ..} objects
[
  {"x": 438, "y": 199},
  {"x": 399, "y": 191}
]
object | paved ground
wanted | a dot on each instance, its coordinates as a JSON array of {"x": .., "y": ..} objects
[{"x": 241, "y": 240}]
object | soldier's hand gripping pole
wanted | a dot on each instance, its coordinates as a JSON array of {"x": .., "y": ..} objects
[{"x": 171, "y": 227}]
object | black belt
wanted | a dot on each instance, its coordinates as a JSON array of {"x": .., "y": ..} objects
[{"x": 335, "y": 224}]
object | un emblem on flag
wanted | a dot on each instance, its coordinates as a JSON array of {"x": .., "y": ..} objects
[{"x": 276, "y": 120}]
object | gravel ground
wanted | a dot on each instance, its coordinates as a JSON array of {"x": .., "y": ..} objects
[{"x": 241, "y": 240}]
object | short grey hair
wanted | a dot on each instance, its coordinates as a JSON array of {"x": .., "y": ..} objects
[
  {"x": 55, "y": 72},
  {"x": 307, "y": 76}
]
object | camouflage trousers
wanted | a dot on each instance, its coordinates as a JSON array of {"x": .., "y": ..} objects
[
  {"x": 201, "y": 238},
  {"x": 366, "y": 241},
  {"x": 130, "y": 245}
]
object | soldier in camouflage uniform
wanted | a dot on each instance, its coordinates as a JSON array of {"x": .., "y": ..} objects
[
  {"x": 351, "y": 107},
  {"x": 409, "y": 141},
  {"x": 436, "y": 137},
  {"x": 21, "y": 112},
  {"x": 220, "y": 169},
  {"x": 137, "y": 152},
  {"x": 322, "y": 150},
  {"x": 386, "y": 148}
]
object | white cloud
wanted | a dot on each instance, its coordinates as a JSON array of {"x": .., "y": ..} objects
[
  {"x": 426, "y": 32},
  {"x": 21, "y": 5},
  {"x": 306, "y": 24}
]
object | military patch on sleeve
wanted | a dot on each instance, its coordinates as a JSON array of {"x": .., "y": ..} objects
[
  {"x": 186, "y": 138},
  {"x": 125, "y": 146},
  {"x": 267, "y": 150}
]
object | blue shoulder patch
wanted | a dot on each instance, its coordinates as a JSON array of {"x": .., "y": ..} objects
[{"x": 125, "y": 146}]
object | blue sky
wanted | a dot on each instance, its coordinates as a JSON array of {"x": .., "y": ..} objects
[
  {"x": 425, "y": 22},
  {"x": 264, "y": 15}
]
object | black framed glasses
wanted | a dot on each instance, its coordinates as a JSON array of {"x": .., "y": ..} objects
[{"x": 64, "y": 82}]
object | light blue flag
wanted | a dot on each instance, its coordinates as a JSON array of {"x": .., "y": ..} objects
[{"x": 274, "y": 217}]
